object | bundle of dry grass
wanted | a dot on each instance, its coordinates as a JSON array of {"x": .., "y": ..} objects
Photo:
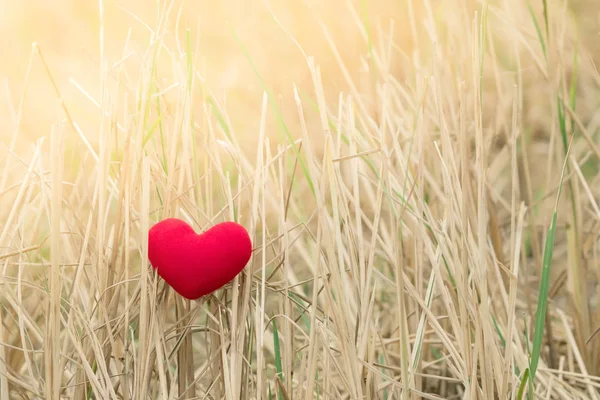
[{"x": 420, "y": 180}]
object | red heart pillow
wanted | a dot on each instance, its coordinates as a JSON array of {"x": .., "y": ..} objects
[{"x": 197, "y": 264}]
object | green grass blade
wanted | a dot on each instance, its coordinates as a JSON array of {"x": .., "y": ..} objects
[
  {"x": 540, "y": 318},
  {"x": 302, "y": 307},
  {"x": 562, "y": 123},
  {"x": 278, "y": 363},
  {"x": 523, "y": 384},
  {"x": 499, "y": 332},
  {"x": 220, "y": 118},
  {"x": 538, "y": 30},
  {"x": 545, "y": 3},
  {"x": 280, "y": 120},
  {"x": 527, "y": 345}
]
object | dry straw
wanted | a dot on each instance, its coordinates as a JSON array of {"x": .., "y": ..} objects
[{"x": 426, "y": 227}]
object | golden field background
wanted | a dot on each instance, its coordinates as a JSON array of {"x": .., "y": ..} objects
[
  {"x": 242, "y": 48},
  {"x": 67, "y": 32},
  {"x": 68, "y": 35},
  {"x": 474, "y": 186}
]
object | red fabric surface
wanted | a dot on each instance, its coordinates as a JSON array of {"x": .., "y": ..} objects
[{"x": 197, "y": 264}]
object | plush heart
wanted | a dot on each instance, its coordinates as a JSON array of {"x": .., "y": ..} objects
[{"x": 197, "y": 264}]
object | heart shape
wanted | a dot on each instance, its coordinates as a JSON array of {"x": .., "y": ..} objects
[{"x": 197, "y": 264}]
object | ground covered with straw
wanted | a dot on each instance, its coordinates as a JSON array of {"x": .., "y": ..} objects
[{"x": 420, "y": 181}]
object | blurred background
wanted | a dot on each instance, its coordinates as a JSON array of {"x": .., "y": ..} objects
[{"x": 67, "y": 32}]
